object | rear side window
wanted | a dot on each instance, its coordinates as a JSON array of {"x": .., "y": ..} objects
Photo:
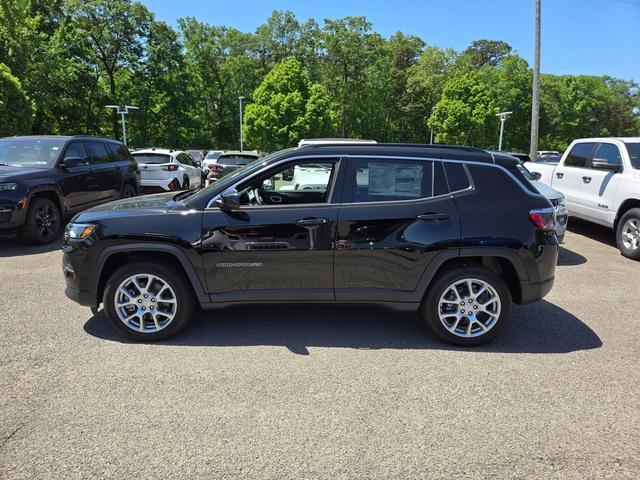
[
  {"x": 119, "y": 152},
  {"x": 456, "y": 176},
  {"x": 375, "y": 180},
  {"x": 580, "y": 155},
  {"x": 609, "y": 153},
  {"x": 185, "y": 159},
  {"x": 156, "y": 158},
  {"x": 98, "y": 152},
  {"x": 634, "y": 154}
]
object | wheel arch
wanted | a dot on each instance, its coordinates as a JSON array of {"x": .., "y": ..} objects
[
  {"x": 114, "y": 257},
  {"x": 627, "y": 205},
  {"x": 50, "y": 193}
]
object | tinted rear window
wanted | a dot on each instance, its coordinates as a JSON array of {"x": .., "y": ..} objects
[
  {"x": 151, "y": 158},
  {"x": 119, "y": 152},
  {"x": 456, "y": 176},
  {"x": 579, "y": 155},
  {"x": 634, "y": 154},
  {"x": 235, "y": 160}
]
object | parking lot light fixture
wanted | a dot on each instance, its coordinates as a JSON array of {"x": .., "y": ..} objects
[
  {"x": 240, "y": 98},
  {"x": 503, "y": 118},
  {"x": 122, "y": 113}
]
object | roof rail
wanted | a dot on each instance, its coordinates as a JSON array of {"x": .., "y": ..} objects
[{"x": 334, "y": 141}]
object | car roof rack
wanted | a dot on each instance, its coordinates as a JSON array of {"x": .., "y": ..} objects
[{"x": 334, "y": 141}]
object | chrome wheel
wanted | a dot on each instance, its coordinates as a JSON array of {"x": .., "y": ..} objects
[
  {"x": 631, "y": 234},
  {"x": 145, "y": 303},
  {"x": 469, "y": 307}
]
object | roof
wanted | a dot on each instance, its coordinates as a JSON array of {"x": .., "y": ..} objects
[
  {"x": 161, "y": 151},
  {"x": 60, "y": 137},
  {"x": 604, "y": 139}
]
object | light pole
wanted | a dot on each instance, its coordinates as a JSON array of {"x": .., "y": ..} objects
[
  {"x": 503, "y": 118},
  {"x": 535, "y": 93},
  {"x": 240, "y": 98},
  {"x": 122, "y": 113}
]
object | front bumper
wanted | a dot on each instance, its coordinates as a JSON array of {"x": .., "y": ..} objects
[
  {"x": 83, "y": 297},
  {"x": 12, "y": 215}
]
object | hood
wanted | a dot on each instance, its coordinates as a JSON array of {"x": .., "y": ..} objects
[
  {"x": 131, "y": 207},
  {"x": 546, "y": 190},
  {"x": 11, "y": 173}
]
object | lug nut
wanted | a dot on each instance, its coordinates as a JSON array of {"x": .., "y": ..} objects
[
  {"x": 139, "y": 301},
  {"x": 143, "y": 308},
  {"x": 475, "y": 306},
  {"x": 461, "y": 311},
  {"x": 146, "y": 296},
  {"x": 153, "y": 299}
]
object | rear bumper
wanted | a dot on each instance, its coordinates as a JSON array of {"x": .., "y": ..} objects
[
  {"x": 533, "y": 291},
  {"x": 164, "y": 185},
  {"x": 83, "y": 297}
]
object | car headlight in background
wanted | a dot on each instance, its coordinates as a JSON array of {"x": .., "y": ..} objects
[
  {"x": 78, "y": 231},
  {"x": 5, "y": 187}
]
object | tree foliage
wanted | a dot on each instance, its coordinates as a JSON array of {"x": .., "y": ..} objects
[
  {"x": 72, "y": 57},
  {"x": 15, "y": 109}
]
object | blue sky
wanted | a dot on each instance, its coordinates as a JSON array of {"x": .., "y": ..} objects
[{"x": 578, "y": 36}]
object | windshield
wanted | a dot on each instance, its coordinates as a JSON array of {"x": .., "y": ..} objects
[
  {"x": 38, "y": 153},
  {"x": 634, "y": 154},
  {"x": 156, "y": 158},
  {"x": 231, "y": 178}
]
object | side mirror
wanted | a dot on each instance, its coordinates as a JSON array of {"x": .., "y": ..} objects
[
  {"x": 536, "y": 175},
  {"x": 229, "y": 199},
  {"x": 71, "y": 162},
  {"x": 602, "y": 164},
  {"x": 268, "y": 184}
]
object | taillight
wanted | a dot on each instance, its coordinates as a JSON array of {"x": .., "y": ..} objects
[
  {"x": 172, "y": 167},
  {"x": 215, "y": 168},
  {"x": 543, "y": 218}
]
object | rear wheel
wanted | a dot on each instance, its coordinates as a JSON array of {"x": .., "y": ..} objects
[
  {"x": 43, "y": 221},
  {"x": 628, "y": 234},
  {"x": 128, "y": 191},
  {"x": 148, "y": 301},
  {"x": 467, "y": 306}
]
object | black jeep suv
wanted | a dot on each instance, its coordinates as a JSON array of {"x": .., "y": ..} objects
[
  {"x": 46, "y": 178},
  {"x": 456, "y": 232}
]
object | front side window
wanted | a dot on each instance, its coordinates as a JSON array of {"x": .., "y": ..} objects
[
  {"x": 37, "y": 153},
  {"x": 634, "y": 154},
  {"x": 375, "y": 180},
  {"x": 608, "y": 153},
  {"x": 75, "y": 150},
  {"x": 98, "y": 152},
  {"x": 580, "y": 155}
]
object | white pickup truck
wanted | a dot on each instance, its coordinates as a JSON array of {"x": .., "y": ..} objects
[{"x": 600, "y": 179}]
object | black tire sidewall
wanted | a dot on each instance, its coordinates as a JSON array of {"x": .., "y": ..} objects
[
  {"x": 436, "y": 289},
  {"x": 633, "y": 254},
  {"x": 29, "y": 230},
  {"x": 185, "y": 183},
  {"x": 128, "y": 188},
  {"x": 184, "y": 295}
]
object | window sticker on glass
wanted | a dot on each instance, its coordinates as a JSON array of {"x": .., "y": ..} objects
[{"x": 395, "y": 179}]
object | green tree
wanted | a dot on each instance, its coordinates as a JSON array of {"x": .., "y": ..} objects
[
  {"x": 15, "y": 108},
  {"x": 482, "y": 52},
  {"x": 287, "y": 107}
]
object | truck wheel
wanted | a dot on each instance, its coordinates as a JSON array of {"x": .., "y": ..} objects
[
  {"x": 43, "y": 221},
  {"x": 628, "y": 234},
  {"x": 148, "y": 301},
  {"x": 467, "y": 306}
]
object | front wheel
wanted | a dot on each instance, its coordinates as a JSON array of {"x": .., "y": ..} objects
[
  {"x": 43, "y": 221},
  {"x": 128, "y": 191},
  {"x": 467, "y": 306},
  {"x": 148, "y": 301},
  {"x": 628, "y": 234}
]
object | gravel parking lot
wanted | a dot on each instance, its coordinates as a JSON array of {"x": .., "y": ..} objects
[{"x": 295, "y": 392}]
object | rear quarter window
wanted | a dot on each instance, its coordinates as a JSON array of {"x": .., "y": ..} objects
[{"x": 456, "y": 176}]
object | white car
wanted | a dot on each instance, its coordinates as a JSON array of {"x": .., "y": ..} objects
[
  {"x": 167, "y": 170},
  {"x": 210, "y": 159},
  {"x": 600, "y": 178},
  {"x": 309, "y": 177}
]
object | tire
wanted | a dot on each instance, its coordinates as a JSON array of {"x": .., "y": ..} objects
[
  {"x": 491, "y": 317},
  {"x": 43, "y": 221},
  {"x": 170, "y": 318},
  {"x": 128, "y": 191},
  {"x": 185, "y": 183},
  {"x": 628, "y": 234}
]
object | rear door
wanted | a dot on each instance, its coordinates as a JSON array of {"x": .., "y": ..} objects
[
  {"x": 570, "y": 175},
  {"x": 106, "y": 173},
  {"x": 396, "y": 215},
  {"x": 190, "y": 167}
]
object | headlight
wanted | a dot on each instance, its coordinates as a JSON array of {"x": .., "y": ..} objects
[
  {"x": 79, "y": 230},
  {"x": 5, "y": 187}
]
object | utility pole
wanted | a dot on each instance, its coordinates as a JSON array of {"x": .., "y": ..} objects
[
  {"x": 240, "y": 98},
  {"x": 122, "y": 113},
  {"x": 503, "y": 118},
  {"x": 535, "y": 97}
]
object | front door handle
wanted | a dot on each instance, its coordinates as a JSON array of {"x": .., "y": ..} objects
[
  {"x": 309, "y": 222},
  {"x": 433, "y": 217},
  {"x": 586, "y": 179},
  {"x": 559, "y": 174}
]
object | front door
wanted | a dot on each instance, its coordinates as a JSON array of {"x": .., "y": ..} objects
[
  {"x": 277, "y": 246},
  {"x": 599, "y": 185},
  {"x": 569, "y": 178},
  {"x": 396, "y": 216},
  {"x": 76, "y": 183}
]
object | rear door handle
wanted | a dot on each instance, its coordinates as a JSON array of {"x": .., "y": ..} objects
[
  {"x": 586, "y": 179},
  {"x": 307, "y": 222},
  {"x": 559, "y": 174},
  {"x": 433, "y": 217}
]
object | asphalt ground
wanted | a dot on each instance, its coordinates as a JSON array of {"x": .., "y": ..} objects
[{"x": 324, "y": 392}]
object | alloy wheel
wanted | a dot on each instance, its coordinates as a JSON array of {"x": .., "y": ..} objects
[
  {"x": 469, "y": 307},
  {"x": 145, "y": 303},
  {"x": 46, "y": 222},
  {"x": 631, "y": 234}
]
